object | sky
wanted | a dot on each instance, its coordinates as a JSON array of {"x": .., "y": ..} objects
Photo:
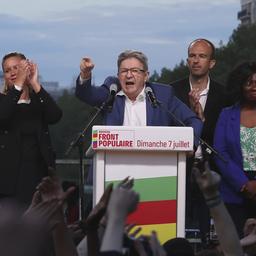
[{"x": 56, "y": 34}]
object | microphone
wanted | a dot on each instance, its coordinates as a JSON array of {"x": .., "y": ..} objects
[
  {"x": 111, "y": 98},
  {"x": 151, "y": 96},
  {"x": 207, "y": 148}
]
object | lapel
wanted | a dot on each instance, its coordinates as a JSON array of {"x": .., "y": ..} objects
[
  {"x": 234, "y": 129},
  {"x": 116, "y": 117},
  {"x": 212, "y": 100},
  {"x": 150, "y": 112},
  {"x": 182, "y": 91},
  {"x": 187, "y": 90}
]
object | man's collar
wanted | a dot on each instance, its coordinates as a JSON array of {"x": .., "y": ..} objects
[{"x": 140, "y": 97}]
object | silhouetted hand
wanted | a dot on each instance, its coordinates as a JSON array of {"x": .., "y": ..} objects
[
  {"x": 43, "y": 214},
  {"x": 208, "y": 181},
  {"x": 156, "y": 248},
  {"x": 50, "y": 188},
  {"x": 149, "y": 245},
  {"x": 122, "y": 202},
  {"x": 98, "y": 211},
  {"x": 126, "y": 183},
  {"x": 76, "y": 232},
  {"x": 130, "y": 232}
]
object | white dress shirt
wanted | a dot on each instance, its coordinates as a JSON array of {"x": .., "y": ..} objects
[
  {"x": 135, "y": 111},
  {"x": 202, "y": 100}
]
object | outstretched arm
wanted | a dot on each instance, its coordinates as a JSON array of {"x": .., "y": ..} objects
[
  {"x": 50, "y": 189},
  {"x": 123, "y": 201},
  {"x": 91, "y": 224},
  {"x": 208, "y": 182}
]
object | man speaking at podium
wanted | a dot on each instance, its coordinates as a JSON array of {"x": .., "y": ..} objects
[{"x": 130, "y": 100}]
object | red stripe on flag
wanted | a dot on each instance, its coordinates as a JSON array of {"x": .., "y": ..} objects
[{"x": 154, "y": 212}]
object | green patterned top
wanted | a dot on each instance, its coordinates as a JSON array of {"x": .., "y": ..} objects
[{"x": 248, "y": 146}]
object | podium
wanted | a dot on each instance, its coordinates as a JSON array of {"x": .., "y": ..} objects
[{"x": 156, "y": 158}]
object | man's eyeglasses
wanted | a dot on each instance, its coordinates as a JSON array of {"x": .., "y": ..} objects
[{"x": 134, "y": 71}]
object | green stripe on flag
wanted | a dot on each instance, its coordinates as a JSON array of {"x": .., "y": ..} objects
[{"x": 154, "y": 189}]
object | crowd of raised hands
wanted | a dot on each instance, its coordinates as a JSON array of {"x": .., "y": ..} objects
[{"x": 42, "y": 229}]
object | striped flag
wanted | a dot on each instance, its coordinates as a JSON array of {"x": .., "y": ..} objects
[{"x": 157, "y": 209}]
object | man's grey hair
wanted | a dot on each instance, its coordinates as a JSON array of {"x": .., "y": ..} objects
[{"x": 140, "y": 56}]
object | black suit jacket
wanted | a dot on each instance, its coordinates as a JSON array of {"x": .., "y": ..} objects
[
  {"x": 47, "y": 112},
  {"x": 216, "y": 100}
]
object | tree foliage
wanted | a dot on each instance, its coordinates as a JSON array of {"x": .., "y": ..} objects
[
  {"x": 76, "y": 116},
  {"x": 240, "y": 47}
]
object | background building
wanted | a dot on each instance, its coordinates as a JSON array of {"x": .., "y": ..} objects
[{"x": 247, "y": 15}]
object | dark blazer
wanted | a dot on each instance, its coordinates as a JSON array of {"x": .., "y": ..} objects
[
  {"x": 214, "y": 104},
  {"x": 96, "y": 95},
  {"x": 227, "y": 142},
  {"x": 47, "y": 113}
]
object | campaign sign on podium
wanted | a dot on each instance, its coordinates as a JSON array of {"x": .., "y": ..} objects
[{"x": 156, "y": 158}]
